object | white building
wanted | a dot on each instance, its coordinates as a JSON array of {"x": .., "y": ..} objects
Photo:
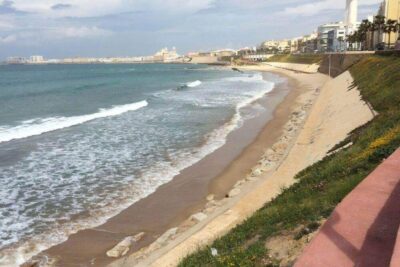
[
  {"x": 36, "y": 59},
  {"x": 351, "y": 15},
  {"x": 337, "y": 40},
  {"x": 165, "y": 55},
  {"x": 325, "y": 33},
  {"x": 277, "y": 45},
  {"x": 224, "y": 52},
  {"x": 16, "y": 60}
]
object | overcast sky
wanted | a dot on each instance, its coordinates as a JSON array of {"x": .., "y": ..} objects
[{"x": 61, "y": 28}]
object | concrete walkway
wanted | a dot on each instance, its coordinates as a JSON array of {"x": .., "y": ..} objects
[{"x": 363, "y": 228}]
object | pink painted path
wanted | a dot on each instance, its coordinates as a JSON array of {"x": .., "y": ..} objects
[
  {"x": 363, "y": 228},
  {"x": 395, "y": 262}
]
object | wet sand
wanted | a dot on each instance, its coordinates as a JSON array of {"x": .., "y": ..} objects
[{"x": 186, "y": 194}]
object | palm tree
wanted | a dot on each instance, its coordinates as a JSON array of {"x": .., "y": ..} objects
[
  {"x": 351, "y": 39},
  {"x": 369, "y": 27},
  {"x": 389, "y": 28},
  {"x": 363, "y": 31},
  {"x": 379, "y": 23},
  {"x": 398, "y": 28}
]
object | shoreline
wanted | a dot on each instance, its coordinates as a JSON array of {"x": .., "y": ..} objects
[
  {"x": 90, "y": 246},
  {"x": 328, "y": 116},
  {"x": 245, "y": 197}
]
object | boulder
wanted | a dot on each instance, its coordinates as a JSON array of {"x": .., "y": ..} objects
[
  {"x": 280, "y": 147},
  {"x": 211, "y": 203},
  {"x": 210, "y": 197},
  {"x": 167, "y": 235},
  {"x": 269, "y": 152},
  {"x": 256, "y": 172},
  {"x": 198, "y": 217},
  {"x": 36, "y": 261},
  {"x": 250, "y": 179},
  {"x": 123, "y": 247},
  {"x": 234, "y": 192},
  {"x": 274, "y": 158},
  {"x": 239, "y": 183},
  {"x": 209, "y": 209}
]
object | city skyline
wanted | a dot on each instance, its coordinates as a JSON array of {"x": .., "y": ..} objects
[{"x": 133, "y": 28}]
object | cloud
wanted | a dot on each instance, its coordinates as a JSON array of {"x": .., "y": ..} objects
[
  {"x": 61, "y": 6},
  {"x": 46, "y": 36},
  {"x": 78, "y": 32},
  {"x": 7, "y": 7},
  {"x": 90, "y": 8},
  {"x": 317, "y": 7},
  {"x": 8, "y": 39},
  {"x": 5, "y": 25}
]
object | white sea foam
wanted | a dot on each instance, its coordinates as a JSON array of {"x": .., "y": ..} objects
[
  {"x": 194, "y": 84},
  {"x": 39, "y": 126},
  {"x": 252, "y": 77}
]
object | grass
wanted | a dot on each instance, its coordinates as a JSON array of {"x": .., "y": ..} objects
[
  {"x": 301, "y": 59},
  {"x": 323, "y": 185}
]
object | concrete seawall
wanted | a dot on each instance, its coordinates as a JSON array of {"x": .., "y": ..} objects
[{"x": 339, "y": 63}]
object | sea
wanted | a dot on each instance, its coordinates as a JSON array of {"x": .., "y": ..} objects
[{"x": 80, "y": 143}]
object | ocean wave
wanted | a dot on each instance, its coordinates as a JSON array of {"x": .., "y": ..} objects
[
  {"x": 193, "y": 84},
  {"x": 189, "y": 85},
  {"x": 39, "y": 126},
  {"x": 247, "y": 78}
]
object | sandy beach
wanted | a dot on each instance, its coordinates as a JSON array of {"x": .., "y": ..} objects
[
  {"x": 173, "y": 203},
  {"x": 323, "y": 115},
  {"x": 208, "y": 199}
]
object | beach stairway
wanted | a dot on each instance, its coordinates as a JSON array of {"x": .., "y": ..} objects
[{"x": 363, "y": 230}]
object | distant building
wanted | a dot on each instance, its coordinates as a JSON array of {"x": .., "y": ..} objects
[
  {"x": 337, "y": 40},
  {"x": 270, "y": 45},
  {"x": 246, "y": 51},
  {"x": 323, "y": 35},
  {"x": 201, "y": 58},
  {"x": 391, "y": 10},
  {"x": 16, "y": 60},
  {"x": 295, "y": 45},
  {"x": 224, "y": 53},
  {"x": 165, "y": 55},
  {"x": 277, "y": 46},
  {"x": 351, "y": 16},
  {"x": 80, "y": 60},
  {"x": 36, "y": 59},
  {"x": 309, "y": 43},
  {"x": 53, "y": 61}
]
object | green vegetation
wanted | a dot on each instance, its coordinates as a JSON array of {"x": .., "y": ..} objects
[
  {"x": 322, "y": 186},
  {"x": 301, "y": 58}
]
